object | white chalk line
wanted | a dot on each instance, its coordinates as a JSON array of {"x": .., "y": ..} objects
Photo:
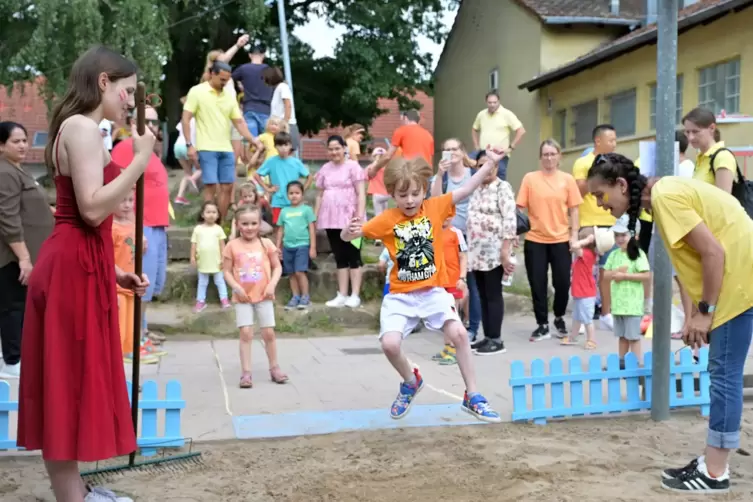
[
  {"x": 222, "y": 379},
  {"x": 436, "y": 389}
]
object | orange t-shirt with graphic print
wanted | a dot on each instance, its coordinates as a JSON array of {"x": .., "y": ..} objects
[
  {"x": 252, "y": 266},
  {"x": 415, "y": 244},
  {"x": 124, "y": 244}
]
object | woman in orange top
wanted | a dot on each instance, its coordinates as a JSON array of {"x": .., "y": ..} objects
[{"x": 552, "y": 199}]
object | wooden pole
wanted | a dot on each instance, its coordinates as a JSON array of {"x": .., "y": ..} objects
[{"x": 138, "y": 268}]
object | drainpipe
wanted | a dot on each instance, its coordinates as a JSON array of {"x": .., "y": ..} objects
[
  {"x": 615, "y": 7},
  {"x": 652, "y": 10}
]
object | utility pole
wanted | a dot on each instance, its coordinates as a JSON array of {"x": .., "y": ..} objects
[
  {"x": 284, "y": 41},
  {"x": 666, "y": 109}
]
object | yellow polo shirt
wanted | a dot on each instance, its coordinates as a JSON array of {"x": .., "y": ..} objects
[
  {"x": 679, "y": 205},
  {"x": 496, "y": 128},
  {"x": 590, "y": 213},
  {"x": 214, "y": 110},
  {"x": 725, "y": 160}
]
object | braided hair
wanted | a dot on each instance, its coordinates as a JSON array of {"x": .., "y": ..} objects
[{"x": 612, "y": 166}]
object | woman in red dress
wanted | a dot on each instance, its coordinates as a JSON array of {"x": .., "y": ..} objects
[{"x": 73, "y": 403}]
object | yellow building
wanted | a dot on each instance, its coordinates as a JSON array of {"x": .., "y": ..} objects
[
  {"x": 616, "y": 83},
  {"x": 588, "y": 62}
]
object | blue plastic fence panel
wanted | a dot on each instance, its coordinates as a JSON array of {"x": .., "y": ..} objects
[
  {"x": 577, "y": 405},
  {"x": 175, "y": 401},
  {"x": 558, "y": 388},
  {"x": 6, "y": 406},
  {"x": 614, "y": 381},
  {"x": 633, "y": 383},
  {"x": 595, "y": 397},
  {"x": 149, "y": 404},
  {"x": 648, "y": 362},
  {"x": 519, "y": 392},
  {"x": 538, "y": 390}
]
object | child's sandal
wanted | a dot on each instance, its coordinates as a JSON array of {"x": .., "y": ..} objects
[
  {"x": 590, "y": 345},
  {"x": 568, "y": 341},
  {"x": 277, "y": 375},
  {"x": 246, "y": 382}
]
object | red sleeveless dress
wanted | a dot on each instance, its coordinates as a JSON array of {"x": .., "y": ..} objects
[{"x": 73, "y": 402}]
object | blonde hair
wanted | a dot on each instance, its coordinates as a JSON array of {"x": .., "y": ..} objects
[
  {"x": 211, "y": 58},
  {"x": 399, "y": 175},
  {"x": 281, "y": 123},
  {"x": 247, "y": 188},
  {"x": 549, "y": 142},
  {"x": 247, "y": 209},
  {"x": 467, "y": 161},
  {"x": 352, "y": 129},
  {"x": 585, "y": 232}
]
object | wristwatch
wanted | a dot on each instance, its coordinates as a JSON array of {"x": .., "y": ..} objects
[
  {"x": 706, "y": 309},
  {"x": 188, "y": 145}
]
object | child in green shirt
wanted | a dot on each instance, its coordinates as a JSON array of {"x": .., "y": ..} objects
[{"x": 627, "y": 269}]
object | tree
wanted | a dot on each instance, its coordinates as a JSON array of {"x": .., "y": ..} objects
[{"x": 378, "y": 56}]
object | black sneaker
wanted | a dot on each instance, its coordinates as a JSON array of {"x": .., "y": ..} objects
[
  {"x": 475, "y": 346},
  {"x": 674, "y": 473},
  {"x": 690, "y": 479},
  {"x": 597, "y": 312},
  {"x": 492, "y": 347},
  {"x": 540, "y": 333},
  {"x": 559, "y": 325}
]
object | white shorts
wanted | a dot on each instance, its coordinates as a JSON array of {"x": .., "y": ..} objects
[
  {"x": 234, "y": 134},
  {"x": 401, "y": 312},
  {"x": 261, "y": 314}
]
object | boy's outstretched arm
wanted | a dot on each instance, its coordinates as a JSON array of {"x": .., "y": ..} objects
[
  {"x": 467, "y": 189},
  {"x": 352, "y": 231}
]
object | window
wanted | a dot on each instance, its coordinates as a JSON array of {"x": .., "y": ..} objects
[
  {"x": 494, "y": 80},
  {"x": 678, "y": 103},
  {"x": 719, "y": 87},
  {"x": 622, "y": 112},
  {"x": 585, "y": 118},
  {"x": 559, "y": 127},
  {"x": 40, "y": 139}
]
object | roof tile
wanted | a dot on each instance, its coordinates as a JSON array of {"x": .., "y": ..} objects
[{"x": 629, "y": 9}]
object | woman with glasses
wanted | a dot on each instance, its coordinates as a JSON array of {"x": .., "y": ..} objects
[{"x": 552, "y": 198}]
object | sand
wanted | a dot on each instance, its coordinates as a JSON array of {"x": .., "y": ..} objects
[{"x": 615, "y": 459}]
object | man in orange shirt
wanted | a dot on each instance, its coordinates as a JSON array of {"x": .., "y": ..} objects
[{"x": 412, "y": 139}]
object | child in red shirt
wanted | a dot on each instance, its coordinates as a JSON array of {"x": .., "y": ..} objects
[{"x": 583, "y": 288}]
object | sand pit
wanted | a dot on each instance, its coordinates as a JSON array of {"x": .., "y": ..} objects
[{"x": 615, "y": 459}]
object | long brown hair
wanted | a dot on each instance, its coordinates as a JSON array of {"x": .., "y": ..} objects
[{"x": 83, "y": 94}]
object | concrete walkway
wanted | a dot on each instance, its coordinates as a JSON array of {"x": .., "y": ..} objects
[{"x": 332, "y": 376}]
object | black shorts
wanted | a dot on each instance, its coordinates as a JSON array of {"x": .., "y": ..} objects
[{"x": 346, "y": 254}]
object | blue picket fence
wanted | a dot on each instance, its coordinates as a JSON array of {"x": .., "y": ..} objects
[
  {"x": 549, "y": 391},
  {"x": 150, "y": 404}
]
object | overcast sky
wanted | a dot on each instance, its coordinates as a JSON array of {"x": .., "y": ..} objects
[{"x": 313, "y": 34}]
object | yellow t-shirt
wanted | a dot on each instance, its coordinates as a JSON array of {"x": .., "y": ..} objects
[
  {"x": 208, "y": 253},
  {"x": 496, "y": 128},
  {"x": 679, "y": 205},
  {"x": 590, "y": 213},
  {"x": 268, "y": 140},
  {"x": 214, "y": 110},
  {"x": 725, "y": 160}
]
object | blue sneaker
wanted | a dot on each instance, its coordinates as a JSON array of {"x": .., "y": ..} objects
[
  {"x": 293, "y": 303},
  {"x": 304, "y": 303},
  {"x": 478, "y": 406},
  {"x": 404, "y": 399}
]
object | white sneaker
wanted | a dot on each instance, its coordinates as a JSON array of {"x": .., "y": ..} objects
[
  {"x": 11, "y": 371},
  {"x": 582, "y": 330},
  {"x": 607, "y": 322},
  {"x": 99, "y": 494},
  {"x": 338, "y": 301},
  {"x": 353, "y": 302}
]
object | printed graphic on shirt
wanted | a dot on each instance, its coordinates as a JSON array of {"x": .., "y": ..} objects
[
  {"x": 131, "y": 246},
  {"x": 250, "y": 267},
  {"x": 414, "y": 245}
]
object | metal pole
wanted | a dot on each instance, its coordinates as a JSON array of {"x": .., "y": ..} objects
[
  {"x": 284, "y": 41},
  {"x": 666, "y": 88}
]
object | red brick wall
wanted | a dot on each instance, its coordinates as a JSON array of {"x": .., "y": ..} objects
[
  {"x": 314, "y": 148},
  {"x": 28, "y": 109},
  {"x": 31, "y": 111}
]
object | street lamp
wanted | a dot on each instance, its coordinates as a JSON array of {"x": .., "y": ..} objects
[{"x": 283, "y": 39}]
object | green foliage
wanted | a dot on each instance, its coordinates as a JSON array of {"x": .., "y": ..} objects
[{"x": 377, "y": 57}]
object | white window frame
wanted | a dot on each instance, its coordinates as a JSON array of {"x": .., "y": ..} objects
[
  {"x": 39, "y": 139},
  {"x": 592, "y": 122},
  {"x": 494, "y": 80},
  {"x": 619, "y": 122},
  {"x": 716, "y": 95}
]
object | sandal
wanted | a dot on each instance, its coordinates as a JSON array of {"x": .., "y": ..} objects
[
  {"x": 246, "y": 382},
  {"x": 568, "y": 341},
  {"x": 590, "y": 345},
  {"x": 277, "y": 375}
]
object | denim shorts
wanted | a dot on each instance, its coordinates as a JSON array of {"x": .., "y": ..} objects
[
  {"x": 295, "y": 259},
  {"x": 583, "y": 310},
  {"x": 728, "y": 349},
  {"x": 256, "y": 122},
  {"x": 155, "y": 261},
  {"x": 217, "y": 167}
]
